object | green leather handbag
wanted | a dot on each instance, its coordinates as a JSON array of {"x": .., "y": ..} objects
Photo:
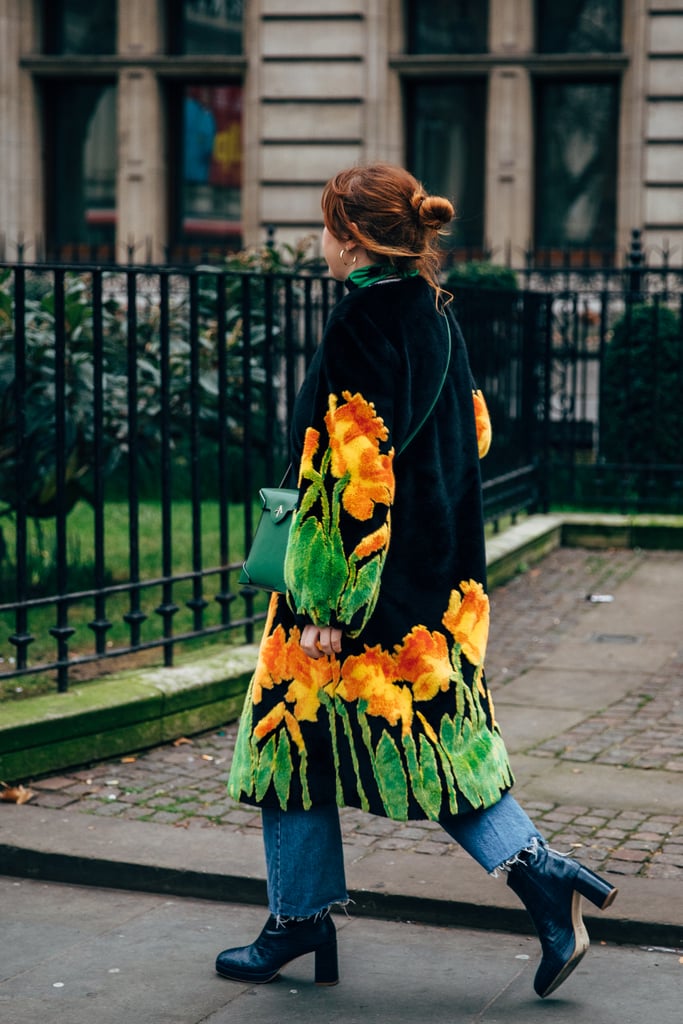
[{"x": 265, "y": 563}]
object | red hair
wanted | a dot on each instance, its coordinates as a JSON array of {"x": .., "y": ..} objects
[{"x": 387, "y": 211}]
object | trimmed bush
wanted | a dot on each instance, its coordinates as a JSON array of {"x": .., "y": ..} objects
[
  {"x": 641, "y": 412},
  {"x": 480, "y": 274}
]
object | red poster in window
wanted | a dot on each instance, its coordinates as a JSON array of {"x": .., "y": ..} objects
[
  {"x": 226, "y": 159},
  {"x": 213, "y": 135}
]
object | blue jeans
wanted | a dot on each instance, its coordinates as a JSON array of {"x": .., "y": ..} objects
[{"x": 305, "y": 862}]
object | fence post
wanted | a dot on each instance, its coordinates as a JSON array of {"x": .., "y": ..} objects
[
  {"x": 636, "y": 258},
  {"x": 538, "y": 327}
]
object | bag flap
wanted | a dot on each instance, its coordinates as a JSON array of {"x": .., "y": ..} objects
[{"x": 280, "y": 502}]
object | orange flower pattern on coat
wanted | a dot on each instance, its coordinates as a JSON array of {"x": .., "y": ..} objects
[
  {"x": 355, "y": 432},
  {"x": 376, "y": 541},
  {"x": 467, "y": 619},
  {"x": 271, "y": 664},
  {"x": 283, "y": 661},
  {"x": 395, "y": 688},
  {"x": 388, "y": 683},
  {"x": 483, "y": 423},
  {"x": 311, "y": 441},
  {"x": 371, "y": 678},
  {"x": 423, "y": 660}
]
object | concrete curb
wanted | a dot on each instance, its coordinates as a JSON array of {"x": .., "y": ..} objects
[
  {"x": 389, "y": 905},
  {"x": 385, "y": 884},
  {"x": 129, "y": 711}
]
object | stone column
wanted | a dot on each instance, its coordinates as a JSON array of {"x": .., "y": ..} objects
[
  {"x": 383, "y": 122},
  {"x": 21, "y": 195},
  {"x": 631, "y": 124},
  {"x": 141, "y": 184},
  {"x": 252, "y": 231},
  {"x": 509, "y": 132}
]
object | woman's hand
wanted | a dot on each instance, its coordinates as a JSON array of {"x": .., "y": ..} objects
[{"x": 318, "y": 641}]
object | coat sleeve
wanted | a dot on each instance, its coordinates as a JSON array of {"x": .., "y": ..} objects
[{"x": 340, "y": 533}]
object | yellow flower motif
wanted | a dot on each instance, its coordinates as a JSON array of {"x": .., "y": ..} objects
[
  {"x": 281, "y": 660},
  {"x": 311, "y": 441},
  {"x": 270, "y": 721},
  {"x": 422, "y": 660},
  {"x": 375, "y": 541},
  {"x": 294, "y": 730},
  {"x": 355, "y": 433},
  {"x": 277, "y": 715},
  {"x": 483, "y": 423},
  {"x": 467, "y": 618},
  {"x": 370, "y": 677},
  {"x": 303, "y": 695},
  {"x": 271, "y": 662}
]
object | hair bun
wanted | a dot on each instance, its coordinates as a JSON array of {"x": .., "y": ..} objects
[{"x": 433, "y": 211}]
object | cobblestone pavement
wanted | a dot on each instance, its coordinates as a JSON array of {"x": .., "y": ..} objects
[{"x": 183, "y": 784}]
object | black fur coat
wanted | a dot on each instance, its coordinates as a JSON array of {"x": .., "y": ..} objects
[{"x": 387, "y": 544}]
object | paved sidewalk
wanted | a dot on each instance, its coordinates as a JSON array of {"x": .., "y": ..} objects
[
  {"x": 586, "y": 665},
  {"x": 80, "y": 955}
]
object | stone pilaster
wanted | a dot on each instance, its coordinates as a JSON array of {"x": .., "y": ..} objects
[
  {"x": 21, "y": 194},
  {"x": 142, "y": 176},
  {"x": 509, "y": 132}
]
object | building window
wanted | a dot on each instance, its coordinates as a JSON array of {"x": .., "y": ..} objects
[
  {"x": 448, "y": 26},
  {"x": 206, "y": 26},
  {"x": 576, "y": 164},
  {"x": 447, "y": 122},
  {"x": 208, "y": 163},
  {"x": 75, "y": 27},
  {"x": 579, "y": 26},
  {"x": 80, "y": 120}
]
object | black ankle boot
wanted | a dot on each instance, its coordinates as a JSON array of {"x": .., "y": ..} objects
[
  {"x": 550, "y": 886},
  {"x": 277, "y": 945}
]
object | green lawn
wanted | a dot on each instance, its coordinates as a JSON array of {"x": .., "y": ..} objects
[{"x": 80, "y": 545}]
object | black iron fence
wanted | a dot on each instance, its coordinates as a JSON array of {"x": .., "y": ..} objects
[{"x": 142, "y": 407}]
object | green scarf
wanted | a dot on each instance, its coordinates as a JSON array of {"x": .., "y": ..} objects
[{"x": 365, "y": 276}]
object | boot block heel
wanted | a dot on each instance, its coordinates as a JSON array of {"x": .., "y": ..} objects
[
  {"x": 326, "y": 966},
  {"x": 594, "y": 888}
]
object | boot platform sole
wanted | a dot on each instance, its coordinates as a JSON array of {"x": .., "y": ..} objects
[{"x": 262, "y": 979}]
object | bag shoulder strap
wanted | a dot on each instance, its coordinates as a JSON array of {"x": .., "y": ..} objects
[{"x": 429, "y": 412}]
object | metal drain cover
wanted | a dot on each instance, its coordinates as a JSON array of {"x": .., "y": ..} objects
[{"x": 615, "y": 638}]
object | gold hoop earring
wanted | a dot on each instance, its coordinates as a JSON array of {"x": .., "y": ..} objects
[{"x": 342, "y": 253}]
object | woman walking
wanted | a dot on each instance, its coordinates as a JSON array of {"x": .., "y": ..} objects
[{"x": 370, "y": 688}]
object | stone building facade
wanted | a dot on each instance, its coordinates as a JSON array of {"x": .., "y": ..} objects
[{"x": 138, "y": 128}]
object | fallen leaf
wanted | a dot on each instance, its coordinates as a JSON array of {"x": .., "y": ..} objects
[
  {"x": 181, "y": 739},
  {"x": 16, "y": 794}
]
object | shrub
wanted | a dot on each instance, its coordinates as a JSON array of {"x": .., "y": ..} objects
[
  {"x": 641, "y": 413},
  {"x": 480, "y": 274},
  {"x": 38, "y": 461}
]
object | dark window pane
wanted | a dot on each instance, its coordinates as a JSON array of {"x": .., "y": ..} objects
[
  {"x": 446, "y": 152},
  {"x": 448, "y": 26},
  {"x": 207, "y": 26},
  {"x": 211, "y": 161},
  {"x": 80, "y": 26},
  {"x": 576, "y": 164},
  {"x": 81, "y": 132},
  {"x": 579, "y": 26}
]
